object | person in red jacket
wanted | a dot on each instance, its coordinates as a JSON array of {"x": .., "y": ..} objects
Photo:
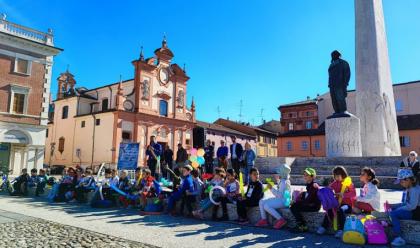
[
  {"x": 346, "y": 195},
  {"x": 307, "y": 201}
]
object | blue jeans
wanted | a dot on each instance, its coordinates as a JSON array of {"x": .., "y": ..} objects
[
  {"x": 173, "y": 199},
  {"x": 246, "y": 173},
  {"x": 396, "y": 216}
]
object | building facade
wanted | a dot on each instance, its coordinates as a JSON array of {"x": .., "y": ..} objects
[
  {"x": 26, "y": 61},
  {"x": 266, "y": 140},
  {"x": 89, "y": 125},
  {"x": 296, "y": 142},
  {"x": 216, "y": 133}
]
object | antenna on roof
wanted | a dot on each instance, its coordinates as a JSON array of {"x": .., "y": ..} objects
[
  {"x": 240, "y": 110},
  {"x": 261, "y": 115},
  {"x": 218, "y": 111}
]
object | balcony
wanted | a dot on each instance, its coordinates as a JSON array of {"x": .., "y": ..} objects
[{"x": 24, "y": 32}]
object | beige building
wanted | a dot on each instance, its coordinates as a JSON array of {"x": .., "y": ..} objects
[{"x": 88, "y": 125}]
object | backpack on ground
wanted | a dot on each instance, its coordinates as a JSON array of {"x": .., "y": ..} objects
[
  {"x": 327, "y": 198},
  {"x": 375, "y": 232},
  {"x": 354, "y": 231}
]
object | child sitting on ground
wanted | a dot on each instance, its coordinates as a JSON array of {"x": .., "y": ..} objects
[
  {"x": 409, "y": 208},
  {"x": 33, "y": 178},
  {"x": 232, "y": 193},
  {"x": 189, "y": 199},
  {"x": 369, "y": 199},
  {"x": 66, "y": 186},
  {"x": 125, "y": 186},
  {"x": 187, "y": 187},
  {"x": 218, "y": 179},
  {"x": 279, "y": 200},
  {"x": 306, "y": 201},
  {"x": 148, "y": 189},
  {"x": 85, "y": 185},
  {"x": 41, "y": 182},
  {"x": 114, "y": 178},
  {"x": 252, "y": 196},
  {"x": 345, "y": 201},
  {"x": 20, "y": 184}
]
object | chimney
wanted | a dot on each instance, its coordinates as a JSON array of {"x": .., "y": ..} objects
[{"x": 308, "y": 98}]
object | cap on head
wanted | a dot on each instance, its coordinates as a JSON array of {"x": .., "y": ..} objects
[
  {"x": 413, "y": 153},
  {"x": 403, "y": 174},
  {"x": 310, "y": 171}
]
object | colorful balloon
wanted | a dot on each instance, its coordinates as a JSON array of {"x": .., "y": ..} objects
[
  {"x": 195, "y": 164},
  {"x": 193, "y": 152},
  {"x": 201, "y": 152},
  {"x": 193, "y": 159},
  {"x": 201, "y": 160}
]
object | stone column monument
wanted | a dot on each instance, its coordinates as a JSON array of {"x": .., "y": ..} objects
[{"x": 374, "y": 94}]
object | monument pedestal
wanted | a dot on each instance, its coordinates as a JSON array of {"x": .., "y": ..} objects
[{"x": 342, "y": 137}]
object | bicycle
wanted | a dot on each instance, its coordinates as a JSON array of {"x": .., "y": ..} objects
[{"x": 5, "y": 184}]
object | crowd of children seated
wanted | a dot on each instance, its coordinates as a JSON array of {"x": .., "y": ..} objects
[{"x": 196, "y": 192}]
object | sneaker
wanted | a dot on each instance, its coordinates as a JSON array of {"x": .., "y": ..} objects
[
  {"x": 339, "y": 234},
  {"x": 197, "y": 214},
  {"x": 321, "y": 230},
  {"x": 398, "y": 241},
  {"x": 279, "y": 223},
  {"x": 262, "y": 223}
]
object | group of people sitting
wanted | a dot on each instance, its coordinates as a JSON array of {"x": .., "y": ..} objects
[
  {"x": 24, "y": 182},
  {"x": 189, "y": 187}
]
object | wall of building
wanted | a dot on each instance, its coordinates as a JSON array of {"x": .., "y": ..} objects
[
  {"x": 297, "y": 149},
  {"x": 298, "y": 116},
  {"x": 34, "y": 82},
  {"x": 414, "y": 144}
]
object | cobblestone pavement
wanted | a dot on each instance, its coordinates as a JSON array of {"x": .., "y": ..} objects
[
  {"x": 23, "y": 231},
  {"x": 165, "y": 231}
]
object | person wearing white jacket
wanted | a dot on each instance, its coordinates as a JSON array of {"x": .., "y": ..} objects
[
  {"x": 281, "y": 198},
  {"x": 370, "y": 198}
]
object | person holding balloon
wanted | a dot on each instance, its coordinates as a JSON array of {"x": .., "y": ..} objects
[
  {"x": 346, "y": 195},
  {"x": 281, "y": 199}
]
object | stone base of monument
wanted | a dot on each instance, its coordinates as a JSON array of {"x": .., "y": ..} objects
[{"x": 342, "y": 137}]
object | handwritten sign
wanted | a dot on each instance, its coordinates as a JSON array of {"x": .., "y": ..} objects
[{"x": 128, "y": 156}]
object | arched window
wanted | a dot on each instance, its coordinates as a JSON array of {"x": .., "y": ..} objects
[
  {"x": 105, "y": 104},
  {"x": 65, "y": 113},
  {"x": 163, "y": 108}
]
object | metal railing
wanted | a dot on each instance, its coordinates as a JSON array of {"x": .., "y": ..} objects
[{"x": 25, "y": 32}]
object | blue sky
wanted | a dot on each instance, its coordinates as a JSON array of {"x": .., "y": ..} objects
[{"x": 265, "y": 53}]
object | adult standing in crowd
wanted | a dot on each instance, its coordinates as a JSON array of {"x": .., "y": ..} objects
[
  {"x": 181, "y": 156},
  {"x": 153, "y": 153},
  {"x": 248, "y": 158},
  {"x": 236, "y": 151},
  {"x": 208, "y": 157},
  {"x": 413, "y": 163},
  {"x": 168, "y": 158},
  {"x": 222, "y": 153}
]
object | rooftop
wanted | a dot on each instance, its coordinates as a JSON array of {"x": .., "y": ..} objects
[
  {"x": 220, "y": 128},
  {"x": 25, "y": 32}
]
